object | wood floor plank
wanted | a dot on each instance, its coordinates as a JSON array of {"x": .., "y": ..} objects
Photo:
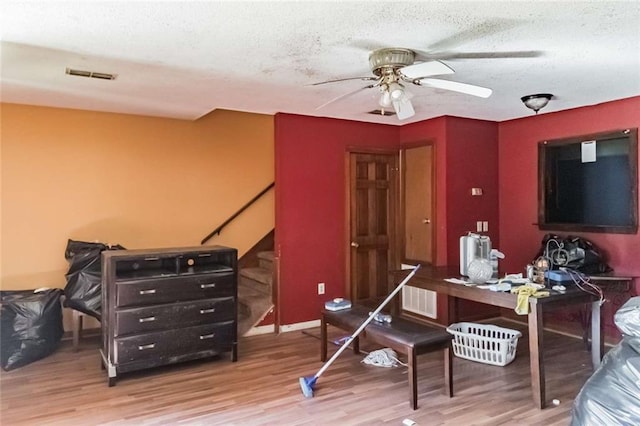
[{"x": 262, "y": 388}]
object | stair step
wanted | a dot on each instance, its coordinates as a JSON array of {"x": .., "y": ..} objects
[
  {"x": 254, "y": 292},
  {"x": 266, "y": 255},
  {"x": 253, "y": 304},
  {"x": 265, "y": 260},
  {"x": 248, "y": 290},
  {"x": 259, "y": 275},
  {"x": 244, "y": 311}
]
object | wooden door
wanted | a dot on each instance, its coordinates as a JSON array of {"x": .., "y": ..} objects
[
  {"x": 418, "y": 193},
  {"x": 373, "y": 192}
]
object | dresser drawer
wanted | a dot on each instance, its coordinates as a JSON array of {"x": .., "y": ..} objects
[
  {"x": 175, "y": 315},
  {"x": 174, "y": 289},
  {"x": 171, "y": 343}
]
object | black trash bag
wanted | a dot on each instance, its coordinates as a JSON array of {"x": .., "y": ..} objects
[
  {"x": 83, "y": 291},
  {"x": 31, "y": 326},
  {"x": 575, "y": 253}
]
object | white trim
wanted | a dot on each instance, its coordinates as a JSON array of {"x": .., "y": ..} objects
[
  {"x": 299, "y": 326},
  {"x": 262, "y": 329}
]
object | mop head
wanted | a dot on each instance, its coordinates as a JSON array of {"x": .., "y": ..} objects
[
  {"x": 307, "y": 384},
  {"x": 386, "y": 357}
]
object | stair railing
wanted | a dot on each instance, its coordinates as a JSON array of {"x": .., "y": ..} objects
[{"x": 236, "y": 214}]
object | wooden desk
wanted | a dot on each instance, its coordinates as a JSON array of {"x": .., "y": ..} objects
[{"x": 432, "y": 278}]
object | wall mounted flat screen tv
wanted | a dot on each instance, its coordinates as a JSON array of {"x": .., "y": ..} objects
[{"x": 589, "y": 183}]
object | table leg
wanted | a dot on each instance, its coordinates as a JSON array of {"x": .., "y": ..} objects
[
  {"x": 452, "y": 309},
  {"x": 413, "y": 378},
  {"x": 448, "y": 372},
  {"x": 536, "y": 354},
  {"x": 323, "y": 340},
  {"x": 597, "y": 340},
  {"x": 76, "y": 329}
]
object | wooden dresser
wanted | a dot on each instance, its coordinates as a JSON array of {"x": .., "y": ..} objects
[{"x": 164, "y": 306}]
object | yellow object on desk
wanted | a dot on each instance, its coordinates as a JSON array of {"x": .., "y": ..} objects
[{"x": 524, "y": 292}]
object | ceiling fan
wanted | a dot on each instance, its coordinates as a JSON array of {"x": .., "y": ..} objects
[{"x": 393, "y": 67}]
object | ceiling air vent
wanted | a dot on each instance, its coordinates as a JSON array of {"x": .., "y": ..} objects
[
  {"x": 385, "y": 112},
  {"x": 90, "y": 74}
]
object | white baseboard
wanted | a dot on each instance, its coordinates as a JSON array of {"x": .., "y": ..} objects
[
  {"x": 262, "y": 329},
  {"x": 299, "y": 326}
]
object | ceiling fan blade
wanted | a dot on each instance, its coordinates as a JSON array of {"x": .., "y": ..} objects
[
  {"x": 452, "y": 56},
  {"x": 346, "y": 95},
  {"x": 477, "y": 31},
  {"x": 403, "y": 108},
  {"x": 344, "y": 79},
  {"x": 455, "y": 86},
  {"x": 368, "y": 45},
  {"x": 425, "y": 69}
]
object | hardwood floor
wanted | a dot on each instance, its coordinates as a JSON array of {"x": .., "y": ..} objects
[{"x": 70, "y": 388}]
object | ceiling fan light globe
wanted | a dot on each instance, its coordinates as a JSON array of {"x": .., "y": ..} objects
[
  {"x": 396, "y": 92},
  {"x": 385, "y": 99}
]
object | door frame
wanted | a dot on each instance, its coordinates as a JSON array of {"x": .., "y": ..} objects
[
  {"x": 403, "y": 195},
  {"x": 394, "y": 229}
]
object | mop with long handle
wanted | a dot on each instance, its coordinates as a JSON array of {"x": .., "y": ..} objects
[{"x": 307, "y": 383}]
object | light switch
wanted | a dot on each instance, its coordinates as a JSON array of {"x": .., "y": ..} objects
[
  {"x": 476, "y": 191},
  {"x": 479, "y": 226},
  {"x": 485, "y": 226}
]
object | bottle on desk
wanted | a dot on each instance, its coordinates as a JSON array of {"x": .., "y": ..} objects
[{"x": 494, "y": 256}]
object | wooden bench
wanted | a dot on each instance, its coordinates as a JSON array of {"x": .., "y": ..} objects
[{"x": 403, "y": 336}]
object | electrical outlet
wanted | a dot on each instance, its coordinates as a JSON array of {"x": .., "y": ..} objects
[
  {"x": 479, "y": 226},
  {"x": 320, "y": 288}
]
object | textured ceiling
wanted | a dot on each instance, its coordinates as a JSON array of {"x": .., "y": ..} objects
[{"x": 185, "y": 59}]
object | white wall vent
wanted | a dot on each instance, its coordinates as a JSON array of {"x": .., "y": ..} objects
[
  {"x": 90, "y": 74},
  {"x": 419, "y": 301}
]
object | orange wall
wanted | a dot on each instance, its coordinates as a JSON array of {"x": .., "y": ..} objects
[{"x": 133, "y": 180}]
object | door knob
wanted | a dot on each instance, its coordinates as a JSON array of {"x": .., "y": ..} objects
[
  {"x": 354, "y": 244},
  {"x": 426, "y": 221}
]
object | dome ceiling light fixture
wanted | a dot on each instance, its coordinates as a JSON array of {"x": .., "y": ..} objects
[{"x": 536, "y": 102}]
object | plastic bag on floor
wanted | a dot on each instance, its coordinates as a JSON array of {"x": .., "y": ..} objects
[
  {"x": 83, "y": 291},
  {"x": 610, "y": 396},
  {"x": 31, "y": 326}
]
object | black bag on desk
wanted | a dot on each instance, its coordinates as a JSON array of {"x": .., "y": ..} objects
[
  {"x": 83, "y": 291},
  {"x": 576, "y": 253},
  {"x": 31, "y": 326}
]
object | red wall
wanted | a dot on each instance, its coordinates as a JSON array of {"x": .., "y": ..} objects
[
  {"x": 500, "y": 158},
  {"x": 472, "y": 162},
  {"x": 518, "y": 171},
  {"x": 518, "y": 165},
  {"x": 466, "y": 157},
  {"x": 311, "y": 206},
  {"x": 311, "y": 202}
]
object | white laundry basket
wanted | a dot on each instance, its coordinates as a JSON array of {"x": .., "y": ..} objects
[{"x": 484, "y": 343}]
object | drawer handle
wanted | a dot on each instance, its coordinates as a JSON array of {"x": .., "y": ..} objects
[
  {"x": 207, "y": 311},
  {"x": 207, "y": 336},
  {"x": 149, "y": 346},
  {"x": 212, "y": 285},
  {"x": 147, "y": 319},
  {"x": 152, "y": 291}
]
